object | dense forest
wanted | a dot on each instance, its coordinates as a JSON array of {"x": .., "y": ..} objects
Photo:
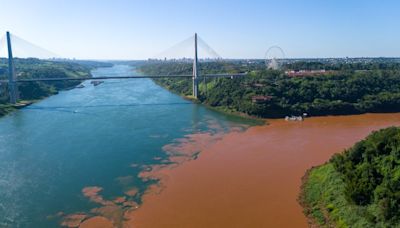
[
  {"x": 358, "y": 188},
  {"x": 345, "y": 88},
  {"x": 35, "y": 68}
]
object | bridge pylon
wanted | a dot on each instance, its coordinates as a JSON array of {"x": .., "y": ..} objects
[
  {"x": 12, "y": 85},
  {"x": 195, "y": 70}
]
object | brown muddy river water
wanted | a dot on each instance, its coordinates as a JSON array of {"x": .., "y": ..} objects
[{"x": 251, "y": 178}]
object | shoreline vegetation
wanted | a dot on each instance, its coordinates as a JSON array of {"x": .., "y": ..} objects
[
  {"x": 337, "y": 88},
  {"x": 357, "y": 188},
  {"x": 223, "y": 110},
  {"x": 34, "y": 68}
]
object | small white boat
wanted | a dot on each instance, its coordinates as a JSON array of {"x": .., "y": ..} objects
[{"x": 294, "y": 118}]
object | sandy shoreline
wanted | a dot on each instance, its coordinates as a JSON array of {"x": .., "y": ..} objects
[{"x": 251, "y": 178}]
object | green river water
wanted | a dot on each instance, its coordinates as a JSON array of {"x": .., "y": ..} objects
[{"x": 89, "y": 136}]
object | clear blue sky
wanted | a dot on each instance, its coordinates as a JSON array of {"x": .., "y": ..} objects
[{"x": 139, "y": 29}]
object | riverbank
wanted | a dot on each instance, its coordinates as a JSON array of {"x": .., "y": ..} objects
[
  {"x": 31, "y": 92},
  {"x": 222, "y": 110},
  {"x": 251, "y": 178},
  {"x": 356, "y": 187},
  {"x": 6, "y": 109},
  {"x": 274, "y": 94},
  {"x": 318, "y": 215}
]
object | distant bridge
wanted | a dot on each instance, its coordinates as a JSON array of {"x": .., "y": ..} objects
[
  {"x": 13, "y": 80},
  {"x": 125, "y": 77}
]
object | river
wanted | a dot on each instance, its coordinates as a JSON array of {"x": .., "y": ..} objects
[
  {"x": 125, "y": 153},
  {"x": 253, "y": 178},
  {"x": 101, "y": 137}
]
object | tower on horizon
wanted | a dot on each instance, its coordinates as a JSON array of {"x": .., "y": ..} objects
[
  {"x": 12, "y": 86},
  {"x": 195, "y": 69}
]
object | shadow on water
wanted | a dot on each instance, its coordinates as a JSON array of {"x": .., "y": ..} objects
[
  {"x": 74, "y": 107},
  {"x": 51, "y": 109},
  {"x": 109, "y": 105}
]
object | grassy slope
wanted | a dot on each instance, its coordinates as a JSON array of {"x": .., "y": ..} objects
[{"x": 325, "y": 203}]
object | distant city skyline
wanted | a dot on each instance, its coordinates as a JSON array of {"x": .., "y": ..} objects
[{"x": 130, "y": 29}]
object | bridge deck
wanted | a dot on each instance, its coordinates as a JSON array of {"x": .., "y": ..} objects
[{"x": 126, "y": 77}]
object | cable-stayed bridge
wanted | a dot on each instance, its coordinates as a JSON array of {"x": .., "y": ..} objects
[{"x": 178, "y": 51}]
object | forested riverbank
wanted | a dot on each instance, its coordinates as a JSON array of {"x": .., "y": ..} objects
[
  {"x": 358, "y": 188},
  {"x": 35, "y": 68},
  {"x": 340, "y": 89}
]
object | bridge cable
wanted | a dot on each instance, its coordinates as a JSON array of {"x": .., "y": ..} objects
[
  {"x": 178, "y": 50},
  {"x": 204, "y": 46},
  {"x": 25, "y": 49},
  {"x": 3, "y": 49}
]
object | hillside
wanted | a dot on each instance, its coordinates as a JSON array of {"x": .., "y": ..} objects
[
  {"x": 344, "y": 89},
  {"x": 35, "y": 68}
]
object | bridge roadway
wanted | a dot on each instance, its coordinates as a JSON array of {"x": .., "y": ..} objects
[{"x": 127, "y": 77}]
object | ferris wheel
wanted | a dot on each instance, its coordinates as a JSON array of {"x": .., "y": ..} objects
[{"x": 273, "y": 57}]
